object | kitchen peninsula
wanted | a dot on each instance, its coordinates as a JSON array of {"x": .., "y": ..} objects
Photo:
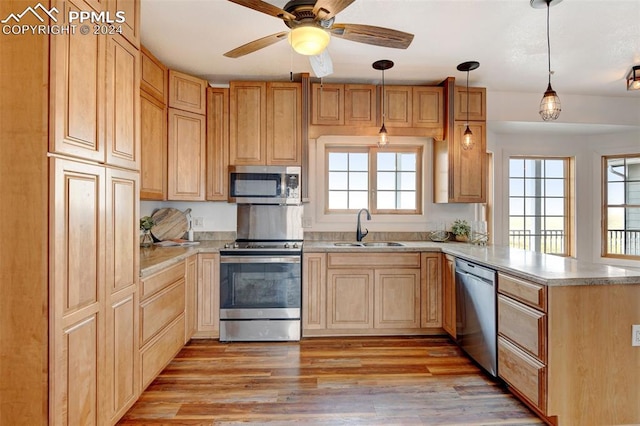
[{"x": 570, "y": 357}]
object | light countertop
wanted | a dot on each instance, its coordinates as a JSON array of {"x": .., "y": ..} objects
[{"x": 545, "y": 269}]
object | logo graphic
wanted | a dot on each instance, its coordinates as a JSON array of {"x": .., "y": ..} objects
[{"x": 34, "y": 11}]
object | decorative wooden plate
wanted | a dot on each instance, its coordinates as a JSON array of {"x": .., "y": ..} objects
[{"x": 170, "y": 223}]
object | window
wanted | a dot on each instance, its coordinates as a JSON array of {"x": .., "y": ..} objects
[
  {"x": 539, "y": 204},
  {"x": 621, "y": 209},
  {"x": 381, "y": 180}
]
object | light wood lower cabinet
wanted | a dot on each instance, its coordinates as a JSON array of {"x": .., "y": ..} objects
[
  {"x": 449, "y": 295},
  {"x": 190, "y": 297},
  {"x": 208, "y": 296},
  {"x": 382, "y": 293}
]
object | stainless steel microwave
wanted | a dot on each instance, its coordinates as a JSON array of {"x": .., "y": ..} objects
[{"x": 265, "y": 185}]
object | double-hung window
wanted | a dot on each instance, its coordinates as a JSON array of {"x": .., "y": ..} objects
[
  {"x": 540, "y": 204},
  {"x": 621, "y": 206},
  {"x": 385, "y": 181}
]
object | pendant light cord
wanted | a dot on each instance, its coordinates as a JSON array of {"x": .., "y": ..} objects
[
  {"x": 467, "y": 98},
  {"x": 383, "y": 98},
  {"x": 548, "y": 42}
]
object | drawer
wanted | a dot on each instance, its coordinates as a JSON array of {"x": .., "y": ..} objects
[
  {"x": 523, "y": 325},
  {"x": 523, "y": 373},
  {"x": 157, "y": 282},
  {"x": 376, "y": 260},
  {"x": 534, "y": 295},
  {"x": 158, "y": 311},
  {"x": 161, "y": 350}
]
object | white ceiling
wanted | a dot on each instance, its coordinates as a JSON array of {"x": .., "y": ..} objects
[{"x": 593, "y": 43}]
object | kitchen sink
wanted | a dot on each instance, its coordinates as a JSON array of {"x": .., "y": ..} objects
[
  {"x": 348, "y": 244},
  {"x": 382, "y": 244}
]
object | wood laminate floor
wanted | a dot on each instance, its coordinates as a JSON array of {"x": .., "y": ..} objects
[{"x": 325, "y": 382}]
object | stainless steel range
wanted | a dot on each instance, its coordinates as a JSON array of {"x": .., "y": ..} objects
[{"x": 261, "y": 275}]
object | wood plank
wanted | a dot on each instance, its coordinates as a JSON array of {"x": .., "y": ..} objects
[{"x": 327, "y": 381}]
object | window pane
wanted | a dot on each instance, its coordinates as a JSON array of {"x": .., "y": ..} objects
[
  {"x": 615, "y": 193},
  {"x": 338, "y": 160},
  {"x": 386, "y": 161},
  {"x": 337, "y": 180},
  {"x": 516, "y": 167},
  {"x": 407, "y": 200},
  {"x": 532, "y": 187},
  {"x": 516, "y": 187},
  {"x": 516, "y": 206},
  {"x": 359, "y": 161},
  {"x": 554, "y": 207},
  {"x": 554, "y": 188},
  {"x": 554, "y": 224},
  {"x": 386, "y": 181},
  {"x": 407, "y": 162},
  {"x": 386, "y": 200},
  {"x": 338, "y": 200},
  {"x": 407, "y": 181},
  {"x": 615, "y": 218},
  {"x": 554, "y": 168},
  {"x": 615, "y": 170},
  {"x": 534, "y": 206},
  {"x": 530, "y": 168},
  {"x": 358, "y": 200},
  {"x": 358, "y": 181}
]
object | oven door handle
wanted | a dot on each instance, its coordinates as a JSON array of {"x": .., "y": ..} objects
[{"x": 259, "y": 259}]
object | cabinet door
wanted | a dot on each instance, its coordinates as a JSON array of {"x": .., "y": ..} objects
[
  {"x": 431, "y": 290},
  {"x": 122, "y": 123},
  {"x": 397, "y": 298},
  {"x": 187, "y": 93},
  {"x": 449, "y": 295},
  {"x": 217, "y": 143},
  {"x": 154, "y": 76},
  {"x": 190, "y": 314},
  {"x": 131, "y": 25},
  {"x": 327, "y": 104},
  {"x": 349, "y": 298},
  {"x": 247, "y": 126},
  {"x": 153, "y": 152},
  {"x": 77, "y": 65},
  {"x": 284, "y": 124},
  {"x": 428, "y": 110},
  {"x": 360, "y": 105},
  {"x": 77, "y": 289},
  {"x": 477, "y": 104},
  {"x": 468, "y": 167},
  {"x": 314, "y": 291},
  {"x": 398, "y": 107},
  {"x": 186, "y": 156},
  {"x": 122, "y": 271},
  {"x": 208, "y": 300}
]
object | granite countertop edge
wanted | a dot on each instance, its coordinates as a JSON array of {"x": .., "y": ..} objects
[{"x": 540, "y": 268}]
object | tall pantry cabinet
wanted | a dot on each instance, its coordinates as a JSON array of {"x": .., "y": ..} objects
[{"x": 69, "y": 184}]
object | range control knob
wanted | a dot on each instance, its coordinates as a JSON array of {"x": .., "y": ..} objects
[
  {"x": 236, "y": 245},
  {"x": 295, "y": 245},
  {"x": 286, "y": 245}
]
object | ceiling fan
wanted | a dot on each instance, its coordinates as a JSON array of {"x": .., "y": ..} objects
[{"x": 311, "y": 24}]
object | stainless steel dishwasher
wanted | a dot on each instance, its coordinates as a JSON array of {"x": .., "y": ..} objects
[{"x": 476, "y": 313}]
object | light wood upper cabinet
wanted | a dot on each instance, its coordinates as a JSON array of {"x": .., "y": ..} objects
[
  {"x": 187, "y": 93},
  {"x": 284, "y": 124},
  {"x": 217, "y": 143},
  {"x": 154, "y": 76},
  {"x": 131, "y": 25},
  {"x": 477, "y": 104},
  {"x": 121, "y": 387},
  {"x": 186, "y": 156},
  {"x": 360, "y": 105},
  {"x": 449, "y": 295},
  {"x": 431, "y": 290},
  {"x": 153, "y": 147},
  {"x": 398, "y": 106},
  {"x": 265, "y": 123},
  {"x": 327, "y": 104},
  {"x": 428, "y": 108},
  {"x": 208, "y": 299},
  {"x": 247, "y": 127},
  {"x": 122, "y": 124},
  {"x": 77, "y": 64}
]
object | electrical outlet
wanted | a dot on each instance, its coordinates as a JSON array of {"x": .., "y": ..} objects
[
  {"x": 198, "y": 222},
  {"x": 635, "y": 335}
]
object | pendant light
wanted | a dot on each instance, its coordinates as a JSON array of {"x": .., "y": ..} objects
[
  {"x": 382, "y": 65},
  {"x": 550, "y": 104},
  {"x": 467, "y": 137}
]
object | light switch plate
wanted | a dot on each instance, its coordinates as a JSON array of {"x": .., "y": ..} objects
[{"x": 635, "y": 335}]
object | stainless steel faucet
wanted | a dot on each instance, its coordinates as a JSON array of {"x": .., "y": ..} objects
[{"x": 359, "y": 234}]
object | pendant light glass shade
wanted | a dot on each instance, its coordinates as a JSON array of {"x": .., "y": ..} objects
[
  {"x": 633, "y": 78},
  {"x": 383, "y": 136},
  {"x": 550, "y": 106},
  {"x": 309, "y": 39},
  {"x": 467, "y": 139}
]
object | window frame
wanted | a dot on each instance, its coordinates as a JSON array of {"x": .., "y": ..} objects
[
  {"x": 604, "y": 252},
  {"x": 372, "y": 152},
  {"x": 568, "y": 200}
]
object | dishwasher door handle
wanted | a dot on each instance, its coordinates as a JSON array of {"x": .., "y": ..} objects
[{"x": 475, "y": 277}]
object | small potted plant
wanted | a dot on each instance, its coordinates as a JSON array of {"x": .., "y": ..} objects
[
  {"x": 146, "y": 223},
  {"x": 461, "y": 229}
]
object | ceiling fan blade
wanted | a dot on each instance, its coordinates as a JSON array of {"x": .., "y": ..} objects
[
  {"x": 256, "y": 45},
  {"x": 378, "y": 36},
  {"x": 326, "y": 9},
  {"x": 265, "y": 7},
  {"x": 321, "y": 64}
]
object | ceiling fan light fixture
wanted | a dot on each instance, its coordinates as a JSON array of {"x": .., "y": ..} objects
[
  {"x": 633, "y": 78},
  {"x": 309, "y": 40}
]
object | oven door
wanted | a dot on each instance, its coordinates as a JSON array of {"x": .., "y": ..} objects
[{"x": 260, "y": 287}]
